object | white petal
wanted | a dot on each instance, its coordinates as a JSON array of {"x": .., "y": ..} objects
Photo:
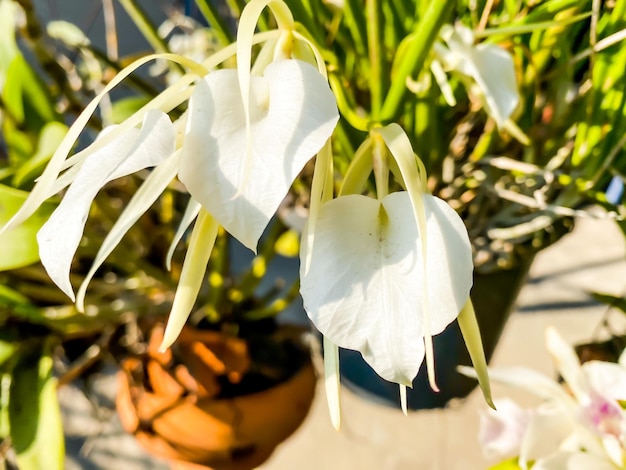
[
  {"x": 526, "y": 379},
  {"x": 132, "y": 151},
  {"x": 148, "y": 192},
  {"x": 191, "y": 212},
  {"x": 548, "y": 427},
  {"x": 573, "y": 461},
  {"x": 607, "y": 378},
  {"x": 362, "y": 287},
  {"x": 501, "y": 431},
  {"x": 568, "y": 364},
  {"x": 496, "y": 78},
  {"x": 293, "y": 113},
  {"x": 490, "y": 66}
]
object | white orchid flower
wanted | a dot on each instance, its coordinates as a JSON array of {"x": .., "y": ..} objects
[
  {"x": 132, "y": 151},
  {"x": 247, "y": 137},
  {"x": 381, "y": 276},
  {"x": 489, "y": 67},
  {"x": 581, "y": 424},
  {"x": 292, "y": 114},
  {"x": 362, "y": 289},
  {"x": 597, "y": 389}
]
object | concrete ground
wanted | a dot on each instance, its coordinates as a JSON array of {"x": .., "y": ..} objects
[{"x": 592, "y": 258}]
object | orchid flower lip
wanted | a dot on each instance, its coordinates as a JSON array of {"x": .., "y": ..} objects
[
  {"x": 293, "y": 113},
  {"x": 358, "y": 301}
]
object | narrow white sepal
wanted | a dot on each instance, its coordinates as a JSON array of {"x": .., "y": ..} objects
[
  {"x": 332, "y": 383},
  {"x": 134, "y": 150},
  {"x": 191, "y": 212},
  {"x": 194, "y": 267},
  {"x": 145, "y": 196},
  {"x": 403, "y": 403}
]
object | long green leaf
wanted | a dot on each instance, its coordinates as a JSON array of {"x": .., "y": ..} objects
[
  {"x": 34, "y": 414},
  {"x": 18, "y": 247}
]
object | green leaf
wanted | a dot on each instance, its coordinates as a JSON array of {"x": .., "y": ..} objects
[
  {"x": 26, "y": 96},
  {"x": 28, "y": 107},
  {"x": 34, "y": 413},
  {"x": 18, "y": 247},
  {"x": 8, "y": 46},
  {"x": 7, "y": 349},
  {"x": 126, "y": 107},
  {"x": 50, "y": 138},
  {"x": 612, "y": 300}
]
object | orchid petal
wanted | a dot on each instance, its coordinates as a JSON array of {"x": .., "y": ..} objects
[
  {"x": 607, "y": 378},
  {"x": 497, "y": 90},
  {"x": 145, "y": 196},
  {"x": 548, "y": 427},
  {"x": 523, "y": 378},
  {"x": 501, "y": 432},
  {"x": 360, "y": 289},
  {"x": 413, "y": 175},
  {"x": 468, "y": 324},
  {"x": 573, "y": 461},
  {"x": 568, "y": 365},
  {"x": 292, "y": 111},
  {"x": 132, "y": 151},
  {"x": 201, "y": 245},
  {"x": 332, "y": 382},
  {"x": 191, "y": 212}
]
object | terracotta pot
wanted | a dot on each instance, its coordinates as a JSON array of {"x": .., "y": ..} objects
[{"x": 173, "y": 407}]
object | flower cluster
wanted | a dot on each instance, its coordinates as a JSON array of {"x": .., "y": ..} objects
[
  {"x": 379, "y": 275},
  {"x": 580, "y": 423}
]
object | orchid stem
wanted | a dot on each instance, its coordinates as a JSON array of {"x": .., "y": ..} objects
[
  {"x": 376, "y": 57},
  {"x": 210, "y": 14}
]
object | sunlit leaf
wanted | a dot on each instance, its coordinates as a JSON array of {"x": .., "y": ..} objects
[
  {"x": 49, "y": 139},
  {"x": 34, "y": 413},
  {"x": 18, "y": 246}
]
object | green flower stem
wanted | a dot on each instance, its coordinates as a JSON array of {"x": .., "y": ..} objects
[
  {"x": 345, "y": 105},
  {"x": 380, "y": 165},
  {"x": 147, "y": 29},
  {"x": 426, "y": 32},
  {"x": 215, "y": 20},
  {"x": 235, "y": 7},
  {"x": 144, "y": 25},
  {"x": 277, "y": 306},
  {"x": 375, "y": 46},
  {"x": 282, "y": 14}
]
